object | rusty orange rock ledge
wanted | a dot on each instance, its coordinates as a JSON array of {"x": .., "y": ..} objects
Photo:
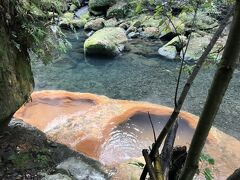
[{"x": 83, "y": 121}]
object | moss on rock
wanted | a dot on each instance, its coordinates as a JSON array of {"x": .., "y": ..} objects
[
  {"x": 16, "y": 79},
  {"x": 105, "y": 42}
]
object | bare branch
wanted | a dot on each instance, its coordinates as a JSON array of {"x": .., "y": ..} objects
[
  {"x": 153, "y": 129},
  {"x": 186, "y": 89},
  {"x": 149, "y": 164}
]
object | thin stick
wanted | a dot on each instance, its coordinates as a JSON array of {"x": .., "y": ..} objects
[
  {"x": 153, "y": 129},
  {"x": 149, "y": 164}
]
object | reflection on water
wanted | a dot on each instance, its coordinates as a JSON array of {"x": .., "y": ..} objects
[{"x": 128, "y": 139}]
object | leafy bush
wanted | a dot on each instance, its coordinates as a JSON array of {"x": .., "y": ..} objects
[{"x": 32, "y": 27}]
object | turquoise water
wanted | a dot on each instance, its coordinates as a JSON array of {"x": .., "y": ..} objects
[
  {"x": 133, "y": 75},
  {"x": 138, "y": 74}
]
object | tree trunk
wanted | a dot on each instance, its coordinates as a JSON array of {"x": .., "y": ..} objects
[
  {"x": 235, "y": 175},
  {"x": 16, "y": 79},
  {"x": 219, "y": 86}
]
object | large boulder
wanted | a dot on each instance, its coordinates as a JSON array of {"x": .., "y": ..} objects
[
  {"x": 95, "y": 24},
  {"x": 118, "y": 10},
  {"x": 106, "y": 42},
  {"x": 99, "y": 6}
]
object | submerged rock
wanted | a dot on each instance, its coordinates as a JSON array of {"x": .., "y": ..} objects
[{"x": 105, "y": 42}]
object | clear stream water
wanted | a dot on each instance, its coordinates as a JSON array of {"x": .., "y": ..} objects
[{"x": 139, "y": 74}]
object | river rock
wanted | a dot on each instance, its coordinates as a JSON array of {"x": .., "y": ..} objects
[
  {"x": 124, "y": 25},
  {"x": 195, "y": 48},
  {"x": 98, "y": 7},
  {"x": 95, "y": 24},
  {"x": 68, "y": 21},
  {"x": 150, "y": 21},
  {"x": 131, "y": 29},
  {"x": 133, "y": 35},
  {"x": 80, "y": 170},
  {"x": 169, "y": 52},
  {"x": 111, "y": 22},
  {"x": 118, "y": 10},
  {"x": 73, "y": 8},
  {"x": 166, "y": 27},
  {"x": 55, "y": 176},
  {"x": 204, "y": 21},
  {"x": 179, "y": 42},
  {"x": 105, "y": 42},
  {"x": 151, "y": 32}
]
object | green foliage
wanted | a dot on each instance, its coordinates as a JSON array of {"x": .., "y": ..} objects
[
  {"x": 139, "y": 7},
  {"x": 32, "y": 28},
  {"x": 207, "y": 158},
  {"x": 207, "y": 172},
  {"x": 138, "y": 164},
  {"x": 21, "y": 160}
]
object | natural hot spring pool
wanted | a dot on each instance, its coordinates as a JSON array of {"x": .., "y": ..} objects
[
  {"x": 113, "y": 131},
  {"x": 129, "y": 138}
]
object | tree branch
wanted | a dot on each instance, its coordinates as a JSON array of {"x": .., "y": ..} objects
[
  {"x": 149, "y": 164},
  {"x": 216, "y": 93},
  {"x": 186, "y": 89}
]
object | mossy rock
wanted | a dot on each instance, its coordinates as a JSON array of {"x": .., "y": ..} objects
[
  {"x": 179, "y": 42},
  {"x": 95, "y": 24},
  {"x": 118, "y": 10},
  {"x": 196, "y": 47},
  {"x": 68, "y": 21},
  {"x": 100, "y": 6},
  {"x": 166, "y": 27},
  {"x": 105, "y": 42},
  {"x": 73, "y": 8},
  {"x": 150, "y": 21},
  {"x": 204, "y": 22}
]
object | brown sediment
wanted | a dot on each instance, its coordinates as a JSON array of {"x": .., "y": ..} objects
[{"x": 85, "y": 121}]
